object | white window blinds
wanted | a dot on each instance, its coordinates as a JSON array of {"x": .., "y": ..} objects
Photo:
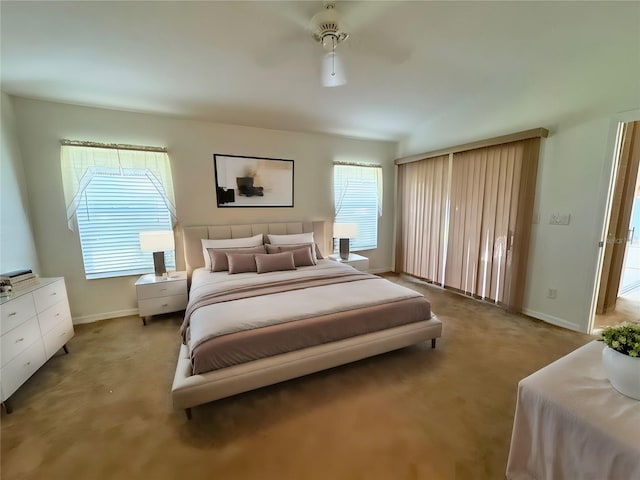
[
  {"x": 358, "y": 199},
  {"x": 112, "y": 204}
]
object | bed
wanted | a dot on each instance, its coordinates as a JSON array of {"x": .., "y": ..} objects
[{"x": 247, "y": 330}]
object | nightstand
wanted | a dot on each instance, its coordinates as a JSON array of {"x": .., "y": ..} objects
[
  {"x": 158, "y": 295},
  {"x": 356, "y": 261}
]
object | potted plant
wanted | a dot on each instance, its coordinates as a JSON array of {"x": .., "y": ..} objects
[{"x": 621, "y": 358}]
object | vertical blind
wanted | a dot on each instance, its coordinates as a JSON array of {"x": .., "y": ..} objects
[
  {"x": 423, "y": 208},
  {"x": 461, "y": 214},
  {"x": 358, "y": 199},
  {"x": 483, "y": 212}
]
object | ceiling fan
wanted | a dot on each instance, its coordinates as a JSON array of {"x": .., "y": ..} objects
[
  {"x": 328, "y": 31},
  {"x": 329, "y": 28}
]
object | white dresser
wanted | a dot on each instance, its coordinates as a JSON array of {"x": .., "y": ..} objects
[{"x": 35, "y": 322}]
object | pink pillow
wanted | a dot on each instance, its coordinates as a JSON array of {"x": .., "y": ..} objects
[
  {"x": 241, "y": 262},
  {"x": 218, "y": 256},
  {"x": 302, "y": 256},
  {"x": 274, "y": 262},
  {"x": 300, "y": 245}
]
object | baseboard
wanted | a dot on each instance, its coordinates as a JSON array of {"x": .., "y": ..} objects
[
  {"x": 104, "y": 316},
  {"x": 551, "y": 319}
]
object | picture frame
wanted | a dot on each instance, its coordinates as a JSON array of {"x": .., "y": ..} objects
[{"x": 253, "y": 182}]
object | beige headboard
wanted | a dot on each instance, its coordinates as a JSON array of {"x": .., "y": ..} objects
[{"x": 191, "y": 236}]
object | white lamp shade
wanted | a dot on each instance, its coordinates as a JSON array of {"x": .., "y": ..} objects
[
  {"x": 345, "y": 230},
  {"x": 156, "y": 241},
  {"x": 333, "y": 70}
]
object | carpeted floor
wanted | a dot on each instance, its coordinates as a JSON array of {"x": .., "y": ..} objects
[{"x": 104, "y": 411}]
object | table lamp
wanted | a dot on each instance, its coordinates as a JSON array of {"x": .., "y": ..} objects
[
  {"x": 345, "y": 231},
  {"x": 157, "y": 242}
]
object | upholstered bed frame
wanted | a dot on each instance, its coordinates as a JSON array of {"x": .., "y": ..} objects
[{"x": 190, "y": 390}]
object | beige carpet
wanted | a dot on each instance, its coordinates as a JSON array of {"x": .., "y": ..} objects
[{"x": 104, "y": 411}]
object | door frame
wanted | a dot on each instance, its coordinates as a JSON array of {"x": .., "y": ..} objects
[{"x": 609, "y": 174}]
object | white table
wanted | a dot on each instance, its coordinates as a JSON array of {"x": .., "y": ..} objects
[
  {"x": 158, "y": 295},
  {"x": 356, "y": 261},
  {"x": 571, "y": 424}
]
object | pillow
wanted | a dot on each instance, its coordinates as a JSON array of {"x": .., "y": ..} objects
[
  {"x": 229, "y": 243},
  {"x": 241, "y": 262},
  {"x": 274, "y": 262},
  {"x": 302, "y": 255},
  {"x": 218, "y": 256},
  {"x": 291, "y": 239},
  {"x": 298, "y": 245}
]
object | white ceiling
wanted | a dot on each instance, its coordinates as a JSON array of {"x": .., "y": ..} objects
[{"x": 412, "y": 66}]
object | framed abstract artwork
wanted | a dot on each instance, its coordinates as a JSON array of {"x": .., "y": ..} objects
[{"x": 253, "y": 181}]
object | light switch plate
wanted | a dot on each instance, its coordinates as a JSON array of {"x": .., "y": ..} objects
[{"x": 560, "y": 218}]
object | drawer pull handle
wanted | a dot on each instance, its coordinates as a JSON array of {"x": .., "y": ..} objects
[
  {"x": 57, "y": 315},
  {"x": 13, "y": 314},
  {"x": 20, "y": 340},
  {"x": 27, "y": 364},
  {"x": 165, "y": 304},
  {"x": 163, "y": 289},
  {"x": 54, "y": 293}
]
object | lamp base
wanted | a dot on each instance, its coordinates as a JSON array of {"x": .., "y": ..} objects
[
  {"x": 158, "y": 264},
  {"x": 344, "y": 248}
]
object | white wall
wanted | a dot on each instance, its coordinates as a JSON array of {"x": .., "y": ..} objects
[
  {"x": 573, "y": 177},
  {"x": 191, "y": 146},
  {"x": 575, "y": 165},
  {"x": 17, "y": 247}
]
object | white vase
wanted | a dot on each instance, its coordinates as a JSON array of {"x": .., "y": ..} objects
[{"x": 623, "y": 372}]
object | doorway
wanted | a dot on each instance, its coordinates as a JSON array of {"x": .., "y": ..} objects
[{"x": 619, "y": 291}]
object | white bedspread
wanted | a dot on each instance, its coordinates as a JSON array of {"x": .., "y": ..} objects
[
  {"x": 570, "y": 424},
  {"x": 255, "y": 312}
]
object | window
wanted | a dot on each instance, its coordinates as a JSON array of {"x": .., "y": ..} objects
[
  {"x": 113, "y": 195},
  {"x": 358, "y": 199}
]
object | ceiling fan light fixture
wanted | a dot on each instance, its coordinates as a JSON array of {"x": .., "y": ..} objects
[{"x": 333, "y": 74}]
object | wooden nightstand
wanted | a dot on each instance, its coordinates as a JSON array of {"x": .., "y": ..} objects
[
  {"x": 158, "y": 295},
  {"x": 356, "y": 261}
]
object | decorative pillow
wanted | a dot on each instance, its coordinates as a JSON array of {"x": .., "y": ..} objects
[
  {"x": 302, "y": 255},
  {"x": 274, "y": 262},
  {"x": 318, "y": 254},
  {"x": 241, "y": 262},
  {"x": 298, "y": 245},
  {"x": 229, "y": 243},
  {"x": 291, "y": 239},
  {"x": 218, "y": 256}
]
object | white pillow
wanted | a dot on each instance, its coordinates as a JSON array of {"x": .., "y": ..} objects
[
  {"x": 254, "y": 241},
  {"x": 291, "y": 239}
]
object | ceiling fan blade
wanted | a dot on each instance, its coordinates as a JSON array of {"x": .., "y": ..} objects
[
  {"x": 377, "y": 46},
  {"x": 358, "y": 15},
  {"x": 288, "y": 49},
  {"x": 295, "y": 13}
]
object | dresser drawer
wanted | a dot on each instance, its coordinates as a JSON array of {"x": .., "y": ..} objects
[
  {"x": 162, "y": 289},
  {"x": 18, "y": 370},
  {"x": 54, "y": 315},
  {"x": 47, "y": 296},
  {"x": 155, "y": 306},
  {"x": 18, "y": 339},
  {"x": 57, "y": 337},
  {"x": 16, "y": 311}
]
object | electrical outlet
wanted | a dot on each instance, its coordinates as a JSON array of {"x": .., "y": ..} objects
[{"x": 552, "y": 293}]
